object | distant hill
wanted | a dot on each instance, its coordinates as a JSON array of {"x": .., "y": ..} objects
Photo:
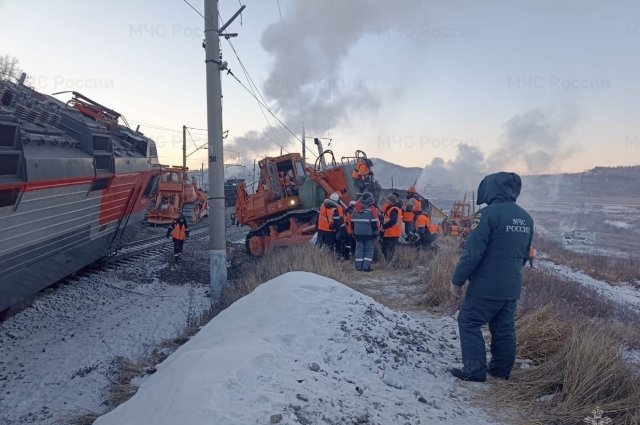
[
  {"x": 403, "y": 177},
  {"x": 600, "y": 184}
]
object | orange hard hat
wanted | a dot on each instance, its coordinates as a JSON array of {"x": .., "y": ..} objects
[{"x": 412, "y": 190}]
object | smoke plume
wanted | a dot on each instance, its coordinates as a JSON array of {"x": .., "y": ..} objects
[
  {"x": 309, "y": 47},
  {"x": 534, "y": 142}
]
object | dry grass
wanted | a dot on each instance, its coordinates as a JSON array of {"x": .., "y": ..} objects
[
  {"x": 579, "y": 367},
  {"x": 304, "y": 258},
  {"x": 82, "y": 419},
  {"x": 579, "y": 303},
  {"x": 541, "y": 333},
  {"x": 606, "y": 268},
  {"x": 436, "y": 279},
  {"x": 574, "y": 336}
]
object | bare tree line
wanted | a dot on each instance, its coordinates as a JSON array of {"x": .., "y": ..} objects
[{"x": 9, "y": 67}]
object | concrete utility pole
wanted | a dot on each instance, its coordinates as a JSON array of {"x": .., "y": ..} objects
[
  {"x": 217, "y": 233},
  {"x": 304, "y": 147},
  {"x": 184, "y": 165}
]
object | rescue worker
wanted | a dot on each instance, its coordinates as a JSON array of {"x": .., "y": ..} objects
[
  {"x": 360, "y": 175},
  {"x": 412, "y": 205},
  {"x": 426, "y": 231},
  {"x": 455, "y": 230},
  {"x": 365, "y": 226},
  {"x": 178, "y": 231},
  {"x": 326, "y": 222},
  {"x": 339, "y": 224},
  {"x": 392, "y": 226},
  {"x": 495, "y": 251},
  {"x": 349, "y": 245}
]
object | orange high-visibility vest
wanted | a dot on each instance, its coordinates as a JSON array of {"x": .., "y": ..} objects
[
  {"x": 408, "y": 216},
  {"x": 325, "y": 220},
  {"x": 360, "y": 171},
  {"x": 179, "y": 232},
  {"x": 454, "y": 230},
  {"x": 423, "y": 220},
  {"x": 394, "y": 231}
]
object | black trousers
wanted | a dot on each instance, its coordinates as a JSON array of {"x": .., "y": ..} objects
[
  {"x": 326, "y": 238},
  {"x": 389, "y": 247},
  {"x": 178, "y": 244}
]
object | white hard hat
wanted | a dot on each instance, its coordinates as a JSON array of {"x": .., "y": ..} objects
[
  {"x": 335, "y": 196},
  {"x": 352, "y": 202}
]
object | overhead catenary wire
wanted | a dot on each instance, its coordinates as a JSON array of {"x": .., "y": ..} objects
[
  {"x": 259, "y": 98},
  {"x": 254, "y": 88}
]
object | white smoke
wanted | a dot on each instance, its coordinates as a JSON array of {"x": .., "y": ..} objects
[
  {"x": 309, "y": 47},
  {"x": 533, "y": 142}
]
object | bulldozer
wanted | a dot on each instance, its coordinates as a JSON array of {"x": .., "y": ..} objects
[
  {"x": 282, "y": 209},
  {"x": 460, "y": 217},
  {"x": 177, "y": 194}
]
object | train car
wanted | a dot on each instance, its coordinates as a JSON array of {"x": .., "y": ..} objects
[{"x": 74, "y": 186}]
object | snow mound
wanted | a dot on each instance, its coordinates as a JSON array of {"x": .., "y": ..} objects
[
  {"x": 304, "y": 349},
  {"x": 618, "y": 224}
]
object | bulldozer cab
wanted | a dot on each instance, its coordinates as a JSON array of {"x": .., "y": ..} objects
[{"x": 281, "y": 176}]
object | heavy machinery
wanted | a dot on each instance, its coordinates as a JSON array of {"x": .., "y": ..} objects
[
  {"x": 283, "y": 208},
  {"x": 178, "y": 194},
  {"x": 460, "y": 217}
]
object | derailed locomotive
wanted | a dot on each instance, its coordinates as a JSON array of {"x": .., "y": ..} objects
[{"x": 74, "y": 186}]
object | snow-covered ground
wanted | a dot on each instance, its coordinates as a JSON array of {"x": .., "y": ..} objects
[
  {"x": 56, "y": 354},
  {"x": 622, "y": 293},
  {"x": 304, "y": 349}
]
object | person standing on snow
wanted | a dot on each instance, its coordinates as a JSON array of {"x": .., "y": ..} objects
[
  {"x": 496, "y": 249},
  {"x": 178, "y": 231},
  {"x": 365, "y": 224}
]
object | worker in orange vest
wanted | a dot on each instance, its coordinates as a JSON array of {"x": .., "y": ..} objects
[
  {"x": 360, "y": 174},
  {"x": 392, "y": 226},
  {"x": 327, "y": 220},
  {"x": 349, "y": 245},
  {"x": 411, "y": 206},
  {"x": 455, "y": 230},
  {"x": 426, "y": 231},
  {"x": 178, "y": 231}
]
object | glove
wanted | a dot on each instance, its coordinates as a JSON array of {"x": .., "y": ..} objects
[{"x": 456, "y": 290}]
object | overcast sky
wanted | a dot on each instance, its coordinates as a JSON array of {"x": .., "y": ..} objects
[{"x": 533, "y": 86}]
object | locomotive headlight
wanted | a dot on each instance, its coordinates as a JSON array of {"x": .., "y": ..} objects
[{"x": 292, "y": 202}]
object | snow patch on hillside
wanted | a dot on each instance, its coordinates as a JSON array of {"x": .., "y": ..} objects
[{"x": 618, "y": 224}]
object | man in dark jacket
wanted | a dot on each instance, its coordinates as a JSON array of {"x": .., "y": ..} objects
[
  {"x": 365, "y": 224},
  {"x": 495, "y": 251}
]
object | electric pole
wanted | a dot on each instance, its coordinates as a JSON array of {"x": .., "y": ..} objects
[
  {"x": 304, "y": 147},
  {"x": 184, "y": 165},
  {"x": 214, "y": 65},
  {"x": 217, "y": 233}
]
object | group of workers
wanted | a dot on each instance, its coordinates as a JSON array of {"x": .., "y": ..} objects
[{"x": 352, "y": 229}]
